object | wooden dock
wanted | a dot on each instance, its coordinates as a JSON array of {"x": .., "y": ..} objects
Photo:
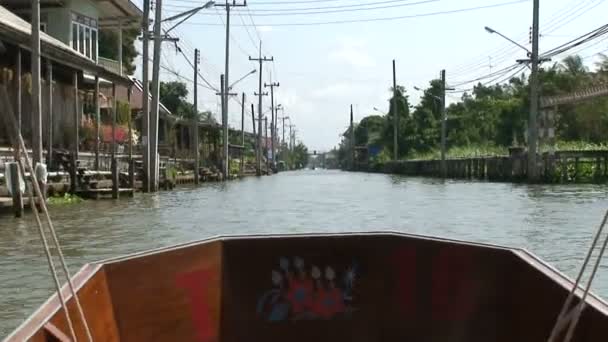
[
  {"x": 562, "y": 167},
  {"x": 103, "y": 193}
]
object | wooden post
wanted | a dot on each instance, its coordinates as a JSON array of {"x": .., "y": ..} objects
[
  {"x": 74, "y": 168},
  {"x": 194, "y": 137},
  {"x": 242, "y": 134},
  {"x": 113, "y": 153},
  {"x": 576, "y": 163},
  {"x": 15, "y": 189},
  {"x": 131, "y": 161},
  {"x": 36, "y": 117},
  {"x": 19, "y": 99},
  {"x": 97, "y": 122},
  {"x": 49, "y": 149}
]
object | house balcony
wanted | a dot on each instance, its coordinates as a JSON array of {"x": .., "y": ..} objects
[{"x": 109, "y": 64}]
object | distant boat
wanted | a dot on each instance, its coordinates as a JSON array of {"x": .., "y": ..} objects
[{"x": 346, "y": 287}]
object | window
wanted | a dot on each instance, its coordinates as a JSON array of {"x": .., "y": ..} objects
[
  {"x": 75, "y": 36},
  {"x": 87, "y": 38},
  {"x": 84, "y": 35},
  {"x": 94, "y": 44},
  {"x": 81, "y": 41}
]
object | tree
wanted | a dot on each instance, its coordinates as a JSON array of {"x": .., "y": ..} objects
[
  {"x": 108, "y": 47},
  {"x": 173, "y": 96},
  {"x": 402, "y": 110},
  {"x": 369, "y": 130}
]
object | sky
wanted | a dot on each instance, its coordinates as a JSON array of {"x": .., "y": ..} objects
[{"x": 324, "y": 68}]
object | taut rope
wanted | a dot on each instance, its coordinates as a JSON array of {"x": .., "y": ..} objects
[
  {"x": 571, "y": 316},
  {"x": 19, "y": 141}
]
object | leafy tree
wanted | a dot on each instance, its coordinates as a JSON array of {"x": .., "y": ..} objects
[
  {"x": 108, "y": 47},
  {"x": 490, "y": 115},
  {"x": 402, "y": 111}
]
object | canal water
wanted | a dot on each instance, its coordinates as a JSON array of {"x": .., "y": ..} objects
[{"x": 555, "y": 222}]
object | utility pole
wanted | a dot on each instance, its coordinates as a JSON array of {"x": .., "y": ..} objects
[
  {"x": 266, "y": 141},
  {"x": 225, "y": 140},
  {"x": 443, "y": 126},
  {"x": 226, "y": 78},
  {"x": 395, "y": 116},
  {"x": 284, "y": 117},
  {"x": 155, "y": 98},
  {"x": 145, "y": 27},
  {"x": 534, "y": 85},
  {"x": 260, "y": 94},
  {"x": 36, "y": 86},
  {"x": 272, "y": 120},
  {"x": 352, "y": 140},
  {"x": 195, "y": 119},
  {"x": 253, "y": 123}
]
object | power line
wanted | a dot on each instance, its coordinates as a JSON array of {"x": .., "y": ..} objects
[
  {"x": 247, "y": 30},
  {"x": 231, "y": 36},
  {"x": 508, "y": 50},
  {"x": 330, "y": 9},
  {"x": 350, "y": 21},
  {"x": 495, "y": 81},
  {"x": 273, "y": 2},
  {"x": 590, "y": 36}
]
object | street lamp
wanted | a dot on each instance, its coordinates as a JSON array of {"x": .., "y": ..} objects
[
  {"x": 242, "y": 78},
  {"x": 188, "y": 14},
  {"x": 492, "y": 31},
  {"x": 427, "y": 93},
  {"x": 379, "y": 111}
]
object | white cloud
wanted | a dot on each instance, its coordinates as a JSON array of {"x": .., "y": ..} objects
[{"x": 352, "y": 51}]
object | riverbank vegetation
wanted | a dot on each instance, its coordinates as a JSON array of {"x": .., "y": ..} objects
[{"x": 487, "y": 119}]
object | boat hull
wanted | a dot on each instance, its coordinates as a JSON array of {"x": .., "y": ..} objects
[{"x": 346, "y": 287}]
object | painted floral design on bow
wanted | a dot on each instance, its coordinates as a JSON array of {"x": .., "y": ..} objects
[{"x": 305, "y": 292}]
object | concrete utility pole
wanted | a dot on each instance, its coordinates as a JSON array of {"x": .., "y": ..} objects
[
  {"x": 253, "y": 124},
  {"x": 260, "y": 94},
  {"x": 292, "y": 137},
  {"x": 284, "y": 117},
  {"x": 145, "y": 105},
  {"x": 395, "y": 116},
  {"x": 155, "y": 99},
  {"x": 534, "y": 85},
  {"x": 443, "y": 126},
  {"x": 266, "y": 141},
  {"x": 36, "y": 94},
  {"x": 352, "y": 139},
  {"x": 272, "y": 114},
  {"x": 225, "y": 89},
  {"x": 225, "y": 140},
  {"x": 195, "y": 119}
]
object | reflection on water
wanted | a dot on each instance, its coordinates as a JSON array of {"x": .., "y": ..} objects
[{"x": 555, "y": 222}]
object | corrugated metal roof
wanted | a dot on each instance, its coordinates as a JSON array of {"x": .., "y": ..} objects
[{"x": 15, "y": 30}]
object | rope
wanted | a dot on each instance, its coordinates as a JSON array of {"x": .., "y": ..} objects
[
  {"x": 574, "y": 315},
  {"x": 49, "y": 256}
]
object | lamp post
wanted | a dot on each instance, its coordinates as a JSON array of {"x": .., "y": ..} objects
[
  {"x": 492, "y": 31},
  {"x": 379, "y": 111},
  {"x": 242, "y": 78},
  {"x": 534, "y": 88}
]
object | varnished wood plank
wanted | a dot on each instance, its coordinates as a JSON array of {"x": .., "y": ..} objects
[
  {"x": 169, "y": 296},
  {"x": 90, "y": 284}
]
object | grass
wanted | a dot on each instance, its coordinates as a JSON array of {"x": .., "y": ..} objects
[
  {"x": 463, "y": 152},
  {"x": 492, "y": 150},
  {"x": 64, "y": 200}
]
